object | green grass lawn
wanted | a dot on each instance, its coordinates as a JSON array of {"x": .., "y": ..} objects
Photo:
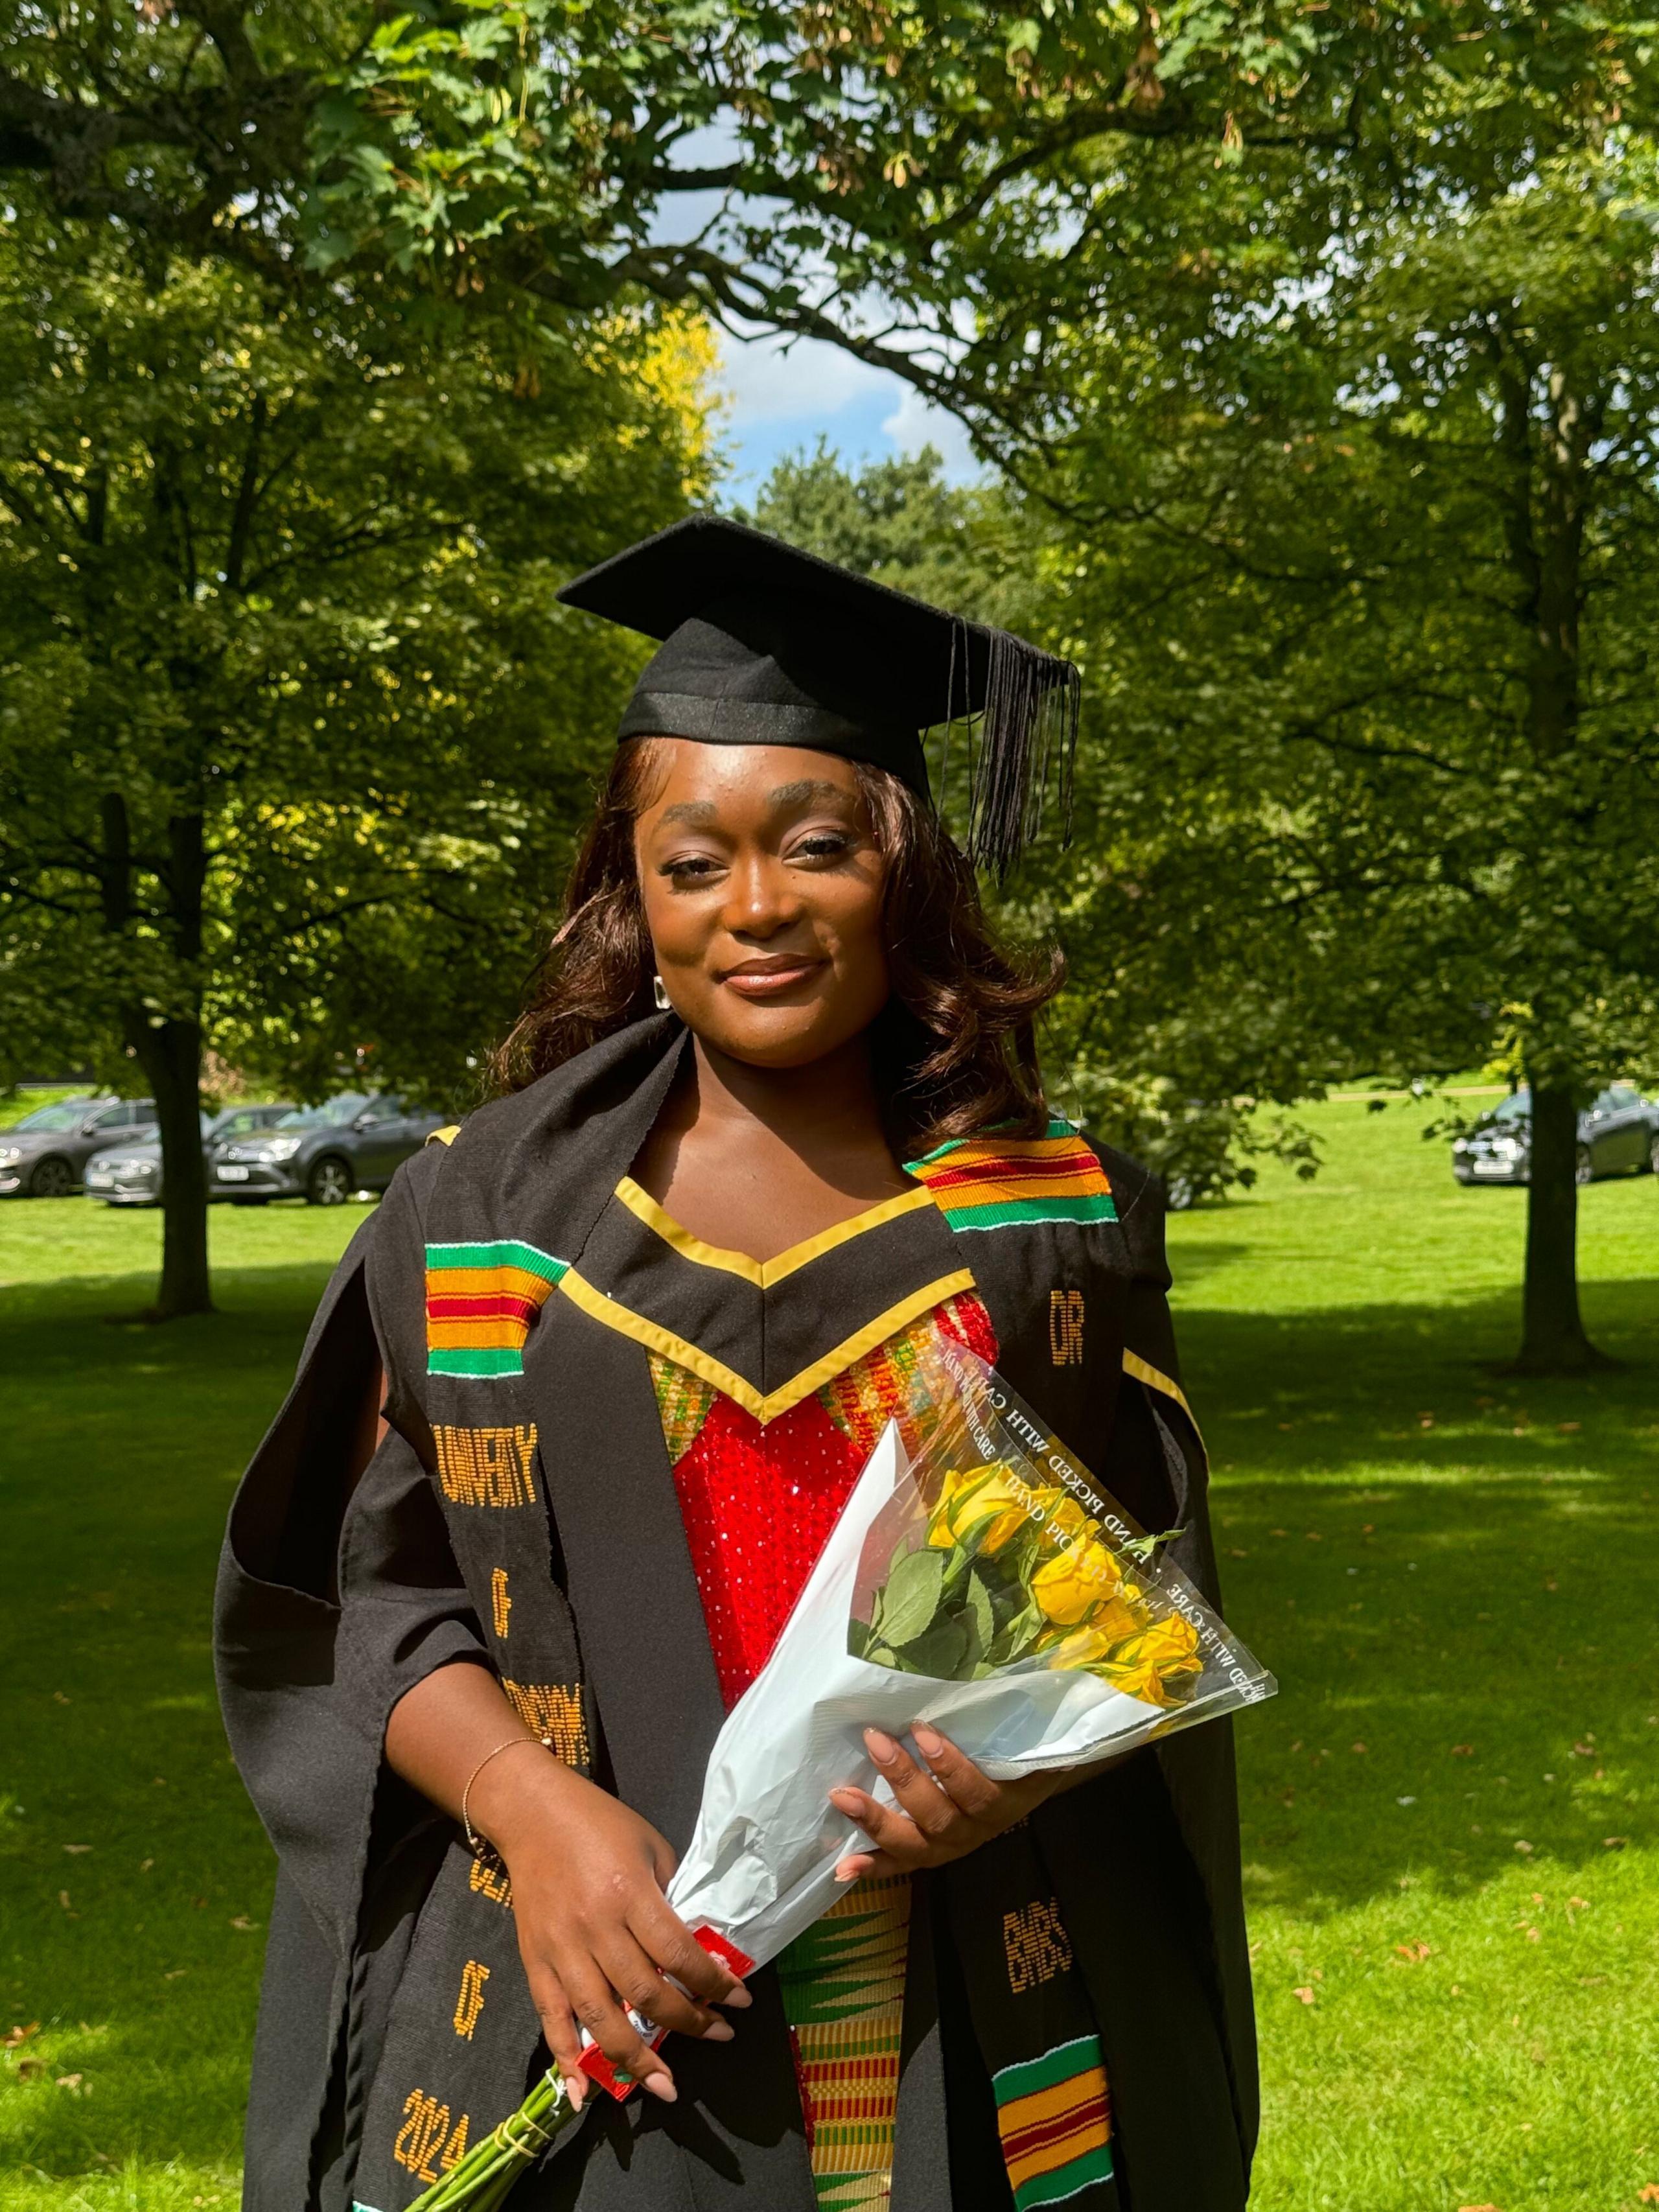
[{"x": 1456, "y": 1965}]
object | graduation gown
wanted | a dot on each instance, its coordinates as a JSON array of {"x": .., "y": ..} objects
[{"x": 521, "y": 1514}]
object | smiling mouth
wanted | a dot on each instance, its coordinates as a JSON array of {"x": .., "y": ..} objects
[{"x": 768, "y": 978}]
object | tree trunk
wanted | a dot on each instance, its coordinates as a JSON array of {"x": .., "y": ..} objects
[
  {"x": 170, "y": 1054},
  {"x": 1553, "y": 1340}
]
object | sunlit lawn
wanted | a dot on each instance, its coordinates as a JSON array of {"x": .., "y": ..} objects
[{"x": 1441, "y": 1566}]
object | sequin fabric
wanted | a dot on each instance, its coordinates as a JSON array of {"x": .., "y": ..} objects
[{"x": 758, "y": 1503}]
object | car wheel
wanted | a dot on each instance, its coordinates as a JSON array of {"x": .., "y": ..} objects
[
  {"x": 52, "y": 1178},
  {"x": 1584, "y": 1166},
  {"x": 330, "y": 1183}
]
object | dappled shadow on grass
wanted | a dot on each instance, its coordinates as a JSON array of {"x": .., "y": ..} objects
[{"x": 1448, "y": 1571}]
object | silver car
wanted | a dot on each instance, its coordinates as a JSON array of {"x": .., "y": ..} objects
[
  {"x": 1618, "y": 1134},
  {"x": 45, "y": 1155},
  {"x": 131, "y": 1175}
]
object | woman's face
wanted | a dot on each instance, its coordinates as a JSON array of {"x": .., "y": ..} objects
[{"x": 763, "y": 891}]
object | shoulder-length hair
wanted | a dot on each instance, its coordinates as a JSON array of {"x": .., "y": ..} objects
[{"x": 955, "y": 1047}]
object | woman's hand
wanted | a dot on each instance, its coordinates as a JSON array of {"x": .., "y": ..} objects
[
  {"x": 595, "y": 1932},
  {"x": 946, "y": 1809}
]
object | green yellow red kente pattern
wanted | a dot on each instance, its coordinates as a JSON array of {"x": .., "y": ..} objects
[
  {"x": 1055, "y": 2124},
  {"x": 843, "y": 1997},
  {"x": 995, "y": 1182},
  {"x": 480, "y": 1302}
]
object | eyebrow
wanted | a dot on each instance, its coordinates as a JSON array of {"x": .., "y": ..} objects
[
  {"x": 696, "y": 810},
  {"x": 795, "y": 794}
]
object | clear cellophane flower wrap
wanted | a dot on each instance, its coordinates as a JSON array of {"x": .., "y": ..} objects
[
  {"x": 979, "y": 1580},
  {"x": 1000, "y": 1560}
]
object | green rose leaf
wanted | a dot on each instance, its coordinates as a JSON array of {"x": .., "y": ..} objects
[{"x": 912, "y": 1595}]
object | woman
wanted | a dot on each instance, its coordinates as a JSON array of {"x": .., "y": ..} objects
[{"x": 774, "y": 1119}]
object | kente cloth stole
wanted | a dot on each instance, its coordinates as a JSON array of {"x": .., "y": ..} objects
[{"x": 844, "y": 1980}]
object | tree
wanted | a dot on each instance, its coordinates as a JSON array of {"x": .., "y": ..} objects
[{"x": 294, "y": 739}]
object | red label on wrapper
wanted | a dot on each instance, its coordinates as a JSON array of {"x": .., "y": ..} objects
[{"x": 600, "y": 2070}]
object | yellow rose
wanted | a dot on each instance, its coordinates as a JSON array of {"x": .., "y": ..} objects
[
  {"x": 970, "y": 1501},
  {"x": 1071, "y": 1585},
  {"x": 1088, "y": 1644},
  {"x": 1159, "y": 1665}
]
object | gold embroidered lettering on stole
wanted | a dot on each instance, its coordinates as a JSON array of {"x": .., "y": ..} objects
[
  {"x": 470, "y": 2003},
  {"x": 487, "y": 1467},
  {"x": 491, "y": 1880},
  {"x": 500, "y": 1603},
  {"x": 1036, "y": 1944},
  {"x": 554, "y": 1713},
  {"x": 421, "y": 2140},
  {"x": 1066, "y": 1327}
]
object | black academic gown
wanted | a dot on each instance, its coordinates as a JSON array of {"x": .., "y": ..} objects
[{"x": 334, "y": 1601}]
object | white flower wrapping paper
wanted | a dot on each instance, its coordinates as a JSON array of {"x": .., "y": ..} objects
[{"x": 760, "y": 1866}]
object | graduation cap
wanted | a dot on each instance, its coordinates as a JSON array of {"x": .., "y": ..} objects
[{"x": 763, "y": 644}]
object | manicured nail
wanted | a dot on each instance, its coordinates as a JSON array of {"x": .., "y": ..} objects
[
  {"x": 738, "y": 1996},
  {"x": 718, "y": 2030},
  {"x": 848, "y": 1870},
  {"x": 882, "y": 1748},
  {"x": 847, "y": 1801},
  {"x": 576, "y": 2088},
  {"x": 929, "y": 1742},
  {"x": 661, "y": 2085}
]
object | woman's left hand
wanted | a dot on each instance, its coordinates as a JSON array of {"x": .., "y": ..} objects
[{"x": 946, "y": 1809}]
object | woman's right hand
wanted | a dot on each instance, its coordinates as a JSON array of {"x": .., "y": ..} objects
[{"x": 595, "y": 1932}]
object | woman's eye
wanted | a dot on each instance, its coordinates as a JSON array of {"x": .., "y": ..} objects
[
  {"x": 823, "y": 845},
  {"x": 690, "y": 868}
]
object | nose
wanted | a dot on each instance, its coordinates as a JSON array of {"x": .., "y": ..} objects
[{"x": 760, "y": 900}]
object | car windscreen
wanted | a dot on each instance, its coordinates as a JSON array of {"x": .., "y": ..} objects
[
  {"x": 68, "y": 1114},
  {"x": 1518, "y": 1106},
  {"x": 332, "y": 1114}
]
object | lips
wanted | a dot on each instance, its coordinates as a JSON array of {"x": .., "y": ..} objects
[{"x": 768, "y": 978}]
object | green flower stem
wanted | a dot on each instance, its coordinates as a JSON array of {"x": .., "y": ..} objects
[{"x": 481, "y": 2180}]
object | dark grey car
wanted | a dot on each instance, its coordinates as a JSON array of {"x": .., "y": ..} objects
[
  {"x": 1618, "y": 1134},
  {"x": 323, "y": 1153},
  {"x": 131, "y": 1175},
  {"x": 44, "y": 1154}
]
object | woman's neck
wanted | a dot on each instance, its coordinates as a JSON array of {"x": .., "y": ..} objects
[
  {"x": 759, "y": 1159},
  {"x": 829, "y": 1104}
]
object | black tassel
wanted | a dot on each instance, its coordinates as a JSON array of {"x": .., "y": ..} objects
[{"x": 1030, "y": 712}]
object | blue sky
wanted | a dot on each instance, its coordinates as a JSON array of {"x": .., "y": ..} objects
[{"x": 779, "y": 401}]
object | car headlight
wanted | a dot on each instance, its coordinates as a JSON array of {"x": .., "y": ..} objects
[
  {"x": 273, "y": 1149},
  {"x": 9, "y": 1155},
  {"x": 1507, "y": 1148}
]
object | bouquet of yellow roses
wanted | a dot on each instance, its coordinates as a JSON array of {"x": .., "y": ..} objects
[{"x": 999, "y": 1558}]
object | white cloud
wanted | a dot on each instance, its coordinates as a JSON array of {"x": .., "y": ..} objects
[
  {"x": 915, "y": 422},
  {"x": 766, "y": 381}
]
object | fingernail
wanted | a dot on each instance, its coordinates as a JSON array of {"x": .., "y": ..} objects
[
  {"x": 929, "y": 1742},
  {"x": 847, "y": 1801},
  {"x": 847, "y": 1871},
  {"x": 718, "y": 2030},
  {"x": 737, "y": 1995},
  {"x": 882, "y": 1748},
  {"x": 661, "y": 2085},
  {"x": 576, "y": 2088}
]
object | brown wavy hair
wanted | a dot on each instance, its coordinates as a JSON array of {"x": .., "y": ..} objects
[{"x": 956, "y": 1047}]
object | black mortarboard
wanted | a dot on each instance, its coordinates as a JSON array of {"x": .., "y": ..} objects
[{"x": 766, "y": 644}]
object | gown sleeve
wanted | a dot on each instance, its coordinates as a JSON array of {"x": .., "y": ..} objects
[{"x": 333, "y": 1601}]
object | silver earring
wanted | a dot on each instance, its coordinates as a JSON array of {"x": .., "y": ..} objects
[{"x": 659, "y": 993}]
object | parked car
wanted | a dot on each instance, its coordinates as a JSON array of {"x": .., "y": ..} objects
[
  {"x": 131, "y": 1175},
  {"x": 1618, "y": 1134},
  {"x": 44, "y": 1154},
  {"x": 323, "y": 1153}
]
